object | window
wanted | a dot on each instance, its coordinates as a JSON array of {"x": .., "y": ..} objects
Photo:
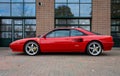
[
  {"x": 18, "y": 8},
  {"x": 29, "y": 0},
  {"x": 82, "y": 23},
  {"x": 4, "y": 0},
  {"x": 60, "y": 1},
  {"x": 59, "y": 33},
  {"x": 29, "y": 10},
  {"x": 6, "y": 35},
  {"x": 30, "y": 27},
  {"x": 6, "y": 21},
  {"x": 115, "y": 22},
  {"x": 73, "y": 13},
  {"x": 85, "y": 10},
  {"x": 6, "y": 28},
  {"x": 73, "y": 8},
  {"x": 85, "y": 1},
  {"x": 76, "y": 33},
  {"x": 61, "y": 21},
  {"x": 73, "y": 1},
  {"x": 4, "y": 9},
  {"x": 17, "y": 0},
  {"x": 72, "y": 21}
]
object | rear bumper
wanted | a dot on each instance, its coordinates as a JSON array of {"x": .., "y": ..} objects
[{"x": 107, "y": 46}]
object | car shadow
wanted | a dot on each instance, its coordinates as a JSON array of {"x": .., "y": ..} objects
[{"x": 61, "y": 54}]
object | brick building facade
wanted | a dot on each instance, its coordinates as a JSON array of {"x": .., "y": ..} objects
[
  {"x": 101, "y": 16},
  {"x": 29, "y": 18}
]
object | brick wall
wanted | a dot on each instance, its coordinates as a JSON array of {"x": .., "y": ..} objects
[
  {"x": 101, "y": 16},
  {"x": 44, "y": 16}
]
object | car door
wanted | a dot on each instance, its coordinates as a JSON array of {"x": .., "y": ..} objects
[
  {"x": 56, "y": 41},
  {"x": 77, "y": 40}
]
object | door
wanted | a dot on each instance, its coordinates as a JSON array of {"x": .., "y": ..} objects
[
  {"x": 56, "y": 41},
  {"x": 5, "y": 32},
  {"x": 17, "y": 30},
  {"x": 55, "y": 44},
  {"x": 62, "y": 41},
  {"x": 14, "y": 29}
]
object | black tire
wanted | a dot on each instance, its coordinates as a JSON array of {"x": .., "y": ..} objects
[
  {"x": 31, "y": 48},
  {"x": 94, "y": 48}
]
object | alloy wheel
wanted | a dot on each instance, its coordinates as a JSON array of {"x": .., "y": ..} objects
[
  {"x": 94, "y": 48},
  {"x": 31, "y": 48}
]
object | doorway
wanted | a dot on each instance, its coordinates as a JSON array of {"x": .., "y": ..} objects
[{"x": 14, "y": 29}]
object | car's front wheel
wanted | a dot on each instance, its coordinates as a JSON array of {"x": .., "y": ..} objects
[
  {"x": 94, "y": 48},
  {"x": 31, "y": 48}
]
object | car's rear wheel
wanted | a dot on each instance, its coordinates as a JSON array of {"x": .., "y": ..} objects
[
  {"x": 94, "y": 48},
  {"x": 31, "y": 48}
]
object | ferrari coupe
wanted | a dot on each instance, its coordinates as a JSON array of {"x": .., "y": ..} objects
[{"x": 65, "y": 40}]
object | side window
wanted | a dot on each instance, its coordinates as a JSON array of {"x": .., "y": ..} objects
[
  {"x": 59, "y": 33},
  {"x": 52, "y": 34},
  {"x": 76, "y": 33}
]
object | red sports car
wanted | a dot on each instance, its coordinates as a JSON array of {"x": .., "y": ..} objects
[{"x": 64, "y": 40}]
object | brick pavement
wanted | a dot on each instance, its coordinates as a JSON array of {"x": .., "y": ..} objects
[{"x": 18, "y": 64}]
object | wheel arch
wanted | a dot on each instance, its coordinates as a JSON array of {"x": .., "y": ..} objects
[
  {"x": 94, "y": 41},
  {"x": 31, "y": 41}
]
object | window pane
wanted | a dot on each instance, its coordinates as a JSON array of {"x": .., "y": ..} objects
[
  {"x": 73, "y": 1},
  {"x": 61, "y": 10},
  {"x": 113, "y": 28},
  {"x": 18, "y": 35},
  {"x": 76, "y": 33},
  {"x": 29, "y": 10},
  {"x": 84, "y": 21},
  {"x": 115, "y": 1},
  {"x": 72, "y": 21},
  {"x": 115, "y": 10},
  {"x": 6, "y": 35},
  {"x": 118, "y": 28},
  {"x": 59, "y": 33},
  {"x": 17, "y": 0},
  {"x": 51, "y": 35},
  {"x": 4, "y": 0},
  {"x": 73, "y": 10},
  {"x": 30, "y": 34},
  {"x": 86, "y": 27},
  {"x": 30, "y": 21},
  {"x": 18, "y": 22},
  {"x": 115, "y": 21},
  {"x": 18, "y": 28},
  {"x": 17, "y": 9},
  {"x": 60, "y": 21},
  {"x": 85, "y": 10},
  {"x": 6, "y": 28},
  {"x": 4, "y": 9},
  {"x": 57, "y": 1},
  {"x": 29, "y": 0},
  {"x": 85, "y": 1},
  {"x": 6, "y": 21},
  {"x": 62, "y": 33},
  {"x": 116, "y": 35},
  {"x": 30, "y": 28}
]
